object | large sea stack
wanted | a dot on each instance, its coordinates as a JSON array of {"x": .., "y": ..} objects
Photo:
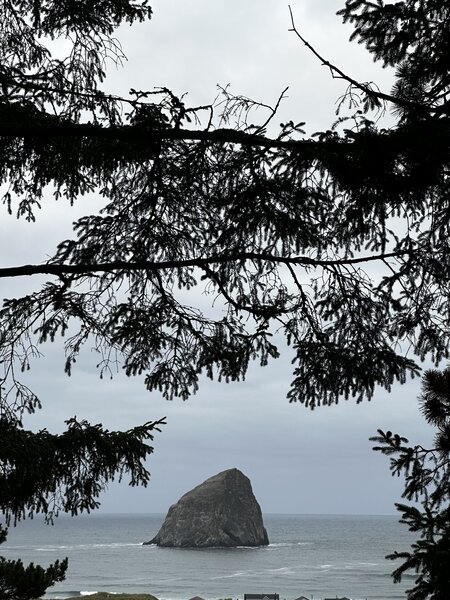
[{"x": 221, "y": 511}]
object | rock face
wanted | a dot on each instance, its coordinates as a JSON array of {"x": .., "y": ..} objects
[{"x": 222, "y": 511}]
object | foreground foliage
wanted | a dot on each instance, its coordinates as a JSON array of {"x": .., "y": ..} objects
[
  {"x": 287, "y": 233},
  {"x": 18, "y": 582},
  {"x": 291, "y": 233},
  {"x": 427, "y": 485},
  {"x": 45, "y": 473}
]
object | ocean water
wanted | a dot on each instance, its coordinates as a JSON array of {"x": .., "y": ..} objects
[{"x": 315, "y": 556}]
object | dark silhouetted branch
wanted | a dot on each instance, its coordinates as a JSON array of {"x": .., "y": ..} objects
[
  {"x": 80, "y": 269},
  {"x": 337, "y": 73}
]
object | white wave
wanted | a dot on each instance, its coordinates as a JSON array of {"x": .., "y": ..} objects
[
  {"x": 59, "y": 549},
  {"x": 115, "y": 545},
  {"x": 64, "y": 596},
  {"x": 359, "y": 565},
  {"x": 76, "y": 593},
  {"x": 86, "y": 546},
  {"x": 233, "y": 575},
  {"x": 281, "y": 545},
  {"x": 282, "y": 570},
  {"x": 161, "y": 581}
]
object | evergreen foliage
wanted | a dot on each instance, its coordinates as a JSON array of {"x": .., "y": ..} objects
[
  {"x": 285, "y": 230},
  {"x": 411, "y": 36},
  {"x": 82, "y": 460},
  {"x": 45, "y": 473},
  {"x": 18, "y": 582},
  {"x": 41, "y": 472},
  {"x": 284, "y": 233},
  {"x": 427, "y": 484}
]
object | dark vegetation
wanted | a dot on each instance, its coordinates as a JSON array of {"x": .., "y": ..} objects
[
  {"x": 427, "y": 484},
  {"x": 281, "y": 229}
]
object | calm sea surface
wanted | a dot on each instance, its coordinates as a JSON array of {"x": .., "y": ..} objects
[{"x": 312, "y": 555}]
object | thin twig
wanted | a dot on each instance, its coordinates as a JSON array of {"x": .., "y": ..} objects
[
  {"x": 274, "y": 110},
  {"x": 339, "y": 74}
]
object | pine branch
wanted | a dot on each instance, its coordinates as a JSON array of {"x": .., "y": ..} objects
[
  {"x": 142, "y": 134},
  {"x": 155, "y": 266},
  {"x": 337, "y": 73}
]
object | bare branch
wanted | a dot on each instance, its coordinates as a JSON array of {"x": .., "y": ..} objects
[
  {"x": 337, "y": 73},
  {"x": 273, "y": 111}
]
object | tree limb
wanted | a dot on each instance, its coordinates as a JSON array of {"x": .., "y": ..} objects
[
  {"x": 363, "y": 87},
  {"x": 143, "y": 134},
  {"x": 154, "y": 266}
]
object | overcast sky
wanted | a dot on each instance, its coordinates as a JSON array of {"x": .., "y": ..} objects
[{"x": 298, "y": 461}]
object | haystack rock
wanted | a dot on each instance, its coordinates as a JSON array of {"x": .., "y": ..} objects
[{"x": 221, "y": 511}]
